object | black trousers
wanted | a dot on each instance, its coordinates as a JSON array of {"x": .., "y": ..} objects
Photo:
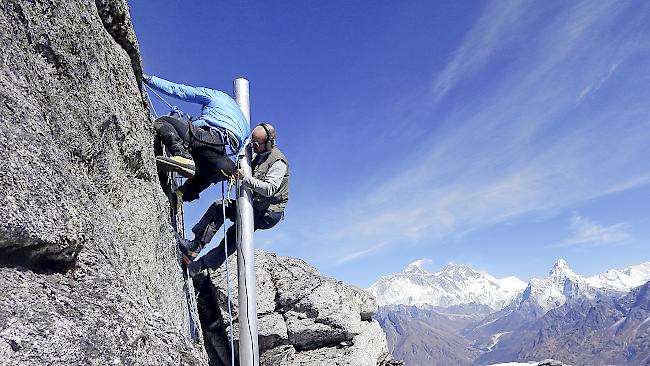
[
  {"x": 211, "y": 222},
  {"x": 210, "y": 160}
]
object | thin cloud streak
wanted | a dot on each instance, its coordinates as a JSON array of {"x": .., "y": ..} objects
[
  {"x": 587, "y": 232},
  {"x": 492, "y": 31},
  {"x": 594, "y": 88},
  {"x": 360, "y": 253}
]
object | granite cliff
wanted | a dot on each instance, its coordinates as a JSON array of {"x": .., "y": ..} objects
[{"x": 89, "y": 272}]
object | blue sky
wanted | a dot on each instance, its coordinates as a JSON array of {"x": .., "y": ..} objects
[{"x": 503, "y": 134}]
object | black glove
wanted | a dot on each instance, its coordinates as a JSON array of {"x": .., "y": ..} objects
[{"x": 146, "y": 78}]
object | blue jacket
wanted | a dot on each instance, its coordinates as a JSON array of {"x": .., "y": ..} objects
[{"x": 219, "y": 109}]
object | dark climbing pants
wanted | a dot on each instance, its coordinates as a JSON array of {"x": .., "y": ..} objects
[
  {"x": 211, "y": 222},
  {"x": 210, "y": 160}
]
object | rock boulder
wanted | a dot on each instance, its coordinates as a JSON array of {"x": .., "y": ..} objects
[{"x": 304, "y": 318}]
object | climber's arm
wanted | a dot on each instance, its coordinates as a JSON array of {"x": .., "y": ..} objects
[{"x": 190, "y": 94}]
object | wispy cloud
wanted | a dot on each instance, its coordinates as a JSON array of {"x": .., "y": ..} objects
[
  {"x": 594, "y": 87},
  {"x": 421, "y": 262},
  {"x": 587, "y": 232},
  {"x": 361, "y": 253},
  {"x": 493, "y": 30}
]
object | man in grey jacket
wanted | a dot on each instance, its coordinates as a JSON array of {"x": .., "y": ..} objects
[{"x": 270, "y": 185}]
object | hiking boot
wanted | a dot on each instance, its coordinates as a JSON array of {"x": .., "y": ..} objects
[
  {"x": 181, "y": 165},
  {"x": 195, "y": 268},
  {"x": 190, "y": 249}
]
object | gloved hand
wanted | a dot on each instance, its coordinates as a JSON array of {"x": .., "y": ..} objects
[{"x": 146, "y": 78}]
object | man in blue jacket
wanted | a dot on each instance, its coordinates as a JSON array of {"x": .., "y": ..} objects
[{"x": 199, "y": 150}]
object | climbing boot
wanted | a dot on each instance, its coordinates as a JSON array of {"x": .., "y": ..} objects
[
  {"x": 195, "y": 268},
  {"x": 183, "y": 166},
  {"x": 190, "y": 249}
]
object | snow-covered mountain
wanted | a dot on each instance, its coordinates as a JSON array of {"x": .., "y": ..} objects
[
  {"x": 563, "y": 292},
  {"x": 622, "y": 280},
  {"x": 562, "y": 284},
  {"x": 564, "y": 314},
  {"x": 609, "y": 331},
  {"x": 453, "y": 285}
]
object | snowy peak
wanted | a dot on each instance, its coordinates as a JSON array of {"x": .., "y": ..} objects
[
  {"x": 459, "y": 271},
  {"x": 559, "y": 266},
  {"x": 622, "y": 280},
  {"x": 561, "y": 270},
  {"x": 415, "y": 268},
  {"x": 639, "y": 272},
  {"x": 511, "y": 282},
  {"x": 564, "y": 284},
  {"x": 455, "y": 284},
  {"x": 561, "y": 284},
  {"x": 458, "y": 284}
]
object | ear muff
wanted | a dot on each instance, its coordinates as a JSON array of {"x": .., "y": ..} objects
[{"x": 270, "y": 141}]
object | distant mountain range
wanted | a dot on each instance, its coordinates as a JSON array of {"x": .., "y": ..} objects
[
  {"x": 454, "y": 285},
  {"x": 474, "y": 318}
]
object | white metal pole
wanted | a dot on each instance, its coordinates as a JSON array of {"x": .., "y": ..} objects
[{"x": 248, "y": 342}]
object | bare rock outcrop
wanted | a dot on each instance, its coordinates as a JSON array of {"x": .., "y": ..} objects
[
  {"x": 88, "y": 271},
  {"x": 304, "y": 318}
]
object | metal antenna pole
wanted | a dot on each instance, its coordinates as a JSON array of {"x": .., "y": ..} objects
[{"x": 248, "y": 343}]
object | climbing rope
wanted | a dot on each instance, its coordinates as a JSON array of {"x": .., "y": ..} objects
[
  {"x": 224, "y": 202},
  {"x": 173, "y": 108},
  {"x": 154, "y": 114}
]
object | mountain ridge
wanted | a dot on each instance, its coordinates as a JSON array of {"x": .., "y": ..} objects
[
  {"x": 559, "y": 309},
  {"x": 455, "y": 284},
  {"x": 458, "y": 284}
]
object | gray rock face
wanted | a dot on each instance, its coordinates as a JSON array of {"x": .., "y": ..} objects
[
  {"x": 303, "y": 317},
  {"x": 89, "y": 273}
]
